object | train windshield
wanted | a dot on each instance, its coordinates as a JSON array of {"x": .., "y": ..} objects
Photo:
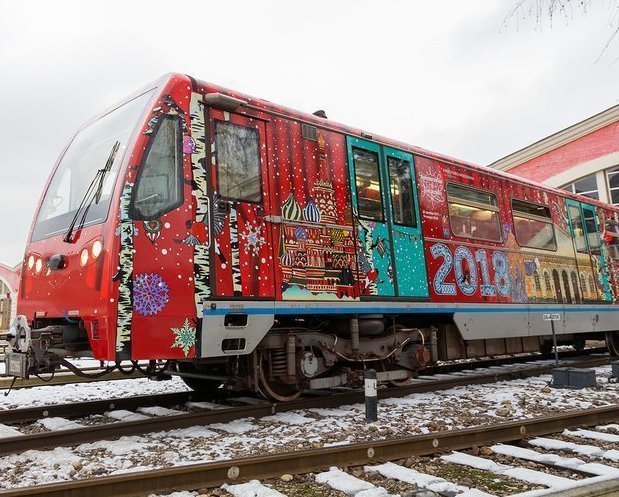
[{"x": 87, "y": 153}]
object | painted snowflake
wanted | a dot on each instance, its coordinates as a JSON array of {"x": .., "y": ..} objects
[
  {"x": 185, "y": 337},
  {"x": 150, "y": 294},
  {"x": 253, "y": 239}
]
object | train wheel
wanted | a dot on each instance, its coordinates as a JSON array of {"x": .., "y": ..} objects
[
  {"x": 579, "y": 344},
  {"x": 275, "y": 389},
  {"x": 386, "y": 366},
  {"x": 612, "y": 342}
]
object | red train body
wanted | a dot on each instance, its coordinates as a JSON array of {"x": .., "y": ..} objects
[{"x": 261, "y": 247}]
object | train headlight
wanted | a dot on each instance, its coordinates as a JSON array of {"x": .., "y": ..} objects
[
  {"x": 84, "y": 257},
  {"x": 97, "y": 248},
  {"x": 31, "y": 262},
  {"x": 38, "y": 266}
]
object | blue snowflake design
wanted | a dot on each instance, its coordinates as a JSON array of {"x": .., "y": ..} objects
[{"x": 150, "y": 294}]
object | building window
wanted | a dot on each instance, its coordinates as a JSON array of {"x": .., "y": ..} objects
[
  {"x": 587, "y": 186},
  {"x": 612, "y": 177}
]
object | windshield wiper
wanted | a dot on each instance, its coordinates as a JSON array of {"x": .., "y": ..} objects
[{"x": 93, "y": 194}]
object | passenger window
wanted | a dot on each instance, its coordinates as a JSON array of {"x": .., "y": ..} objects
[
  {"x": 401, "y": 185},
  {"x": 533, "y": 225},
  {"x": 159, "y": 186},
  {"x": 238, "y": 162},
  {"x": 473, "y": 213},
  {"x": 367, "y": 183},
  {"x": 577, "y": 229}
]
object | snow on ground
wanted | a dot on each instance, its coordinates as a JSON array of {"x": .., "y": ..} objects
[
  {"x": 468, "y": 406},
  {"x": 423, "y": 480},
  {"x": 585, "y": 450},
  {"x": 593, "y": 435},
  {"x": 524, "y": 474},
  {"x": 8, "y": 431},
  {"x": 252, "y": 488},
  {"x": 56, "y": 424},
  {"x": 572, "y": 463},
  {"x": 349, "y": 484},
  {"x": 82, "y": 392},
  {"x": 159, "y": 411}
]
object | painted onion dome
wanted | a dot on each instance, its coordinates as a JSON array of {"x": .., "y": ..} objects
[
  {"x": 291, "y": 209},
  {"x": 286, "y": 259},
  {"x": 311, "y": 212}
]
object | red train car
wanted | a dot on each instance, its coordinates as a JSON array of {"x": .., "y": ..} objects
[{"x": 254, "y": 246}]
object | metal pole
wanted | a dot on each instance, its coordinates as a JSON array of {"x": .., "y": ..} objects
[
  {"x": 554, "y": 342},
  {"x": 371, "y": 396}
]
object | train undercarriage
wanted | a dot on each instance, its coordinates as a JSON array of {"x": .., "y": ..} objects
[{"x": 295, "y": 355}]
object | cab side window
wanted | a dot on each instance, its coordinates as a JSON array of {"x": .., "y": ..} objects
[{"x": 159, "y": 186}]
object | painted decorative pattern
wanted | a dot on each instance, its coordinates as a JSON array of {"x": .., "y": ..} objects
[
  {"x": 125, "y": 273},
  {"x": 202, "y": 289},
  {"x": 234, "y": 246}
]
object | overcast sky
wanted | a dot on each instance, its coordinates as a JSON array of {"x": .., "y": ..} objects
[{"x": 444, "y": 75}]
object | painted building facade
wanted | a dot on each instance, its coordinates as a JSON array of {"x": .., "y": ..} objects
[{"x": 9, "y": 284}]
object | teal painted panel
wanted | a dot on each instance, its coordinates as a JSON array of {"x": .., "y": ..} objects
[
  {"x": 408, "y": 252},
  {"x": 598, "y": 255},
  {"x": 374, "y": 244}
]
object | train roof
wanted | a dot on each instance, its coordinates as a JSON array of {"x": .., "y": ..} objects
[
  {"x": 329, "y": 124},
  {"x": 325, "y": 123}
]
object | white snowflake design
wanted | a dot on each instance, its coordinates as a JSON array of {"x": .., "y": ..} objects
[
  {"x": 253, "y": 239},
  {"x": 185, "y": 337}
]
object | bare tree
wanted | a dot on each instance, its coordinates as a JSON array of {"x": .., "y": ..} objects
[{"x": 567, "y": 10}]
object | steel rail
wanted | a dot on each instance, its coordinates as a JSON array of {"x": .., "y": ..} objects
[
  {"x": 88, "y": 408},
  {"x": 195, "y": 476},
  {"x": 64, "y": 378},
  {"x": 128, "y": 428}
]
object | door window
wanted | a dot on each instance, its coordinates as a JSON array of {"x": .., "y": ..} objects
[
  {"x": 367, "y": 183},
  {"x": 401, "y": 186},
  {"x": 238, "y": 162},
  {"x": 577, "y": 229},
  {"x": 593, "y": 239}
]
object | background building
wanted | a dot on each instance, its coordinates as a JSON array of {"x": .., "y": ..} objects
[
  {"x": 583, "y": 158},
  {"x": 9, "y": 283}
]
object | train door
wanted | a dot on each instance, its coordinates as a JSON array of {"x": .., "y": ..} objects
[
  {"x": 241, "y": 252},
  {"x": 586, "y": 238},
  {"x": 385, "y": 204},
  {"x": 407, "y": 241}
]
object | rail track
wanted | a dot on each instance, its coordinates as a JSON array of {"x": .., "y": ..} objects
[
  {"x": 65, "y": 377},
  {"x": 209, "y": 475},
  {"x": 227, "y": 413}
]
